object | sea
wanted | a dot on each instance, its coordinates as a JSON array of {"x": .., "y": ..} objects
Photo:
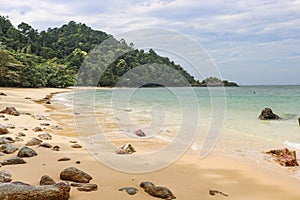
[{"x": 210, "y": 121}]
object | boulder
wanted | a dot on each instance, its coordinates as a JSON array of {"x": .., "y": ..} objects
[
  {"x": 45, "y": 136},
  {"x": 47, "y": 180},
  {"x": 46, "y": 145},
  {"x": 157, "y": 191},
  {"x": 8, "y": 148},
  {"x": 5, "y": 176},
  {"x": 22, "y": 191},
  {"x": 13, "y": 161},
  {"x": 75, "y": 175},
  {"x": 10, "y": 111},
  {"x": 129, "y": 190},
  {"x": 285, "y": 157},
  {"x": 126, "y": 149},
  {"x": 267, "y": 113},
  {"x": 85, "y": 187},
  {"x": 3, "y": 130},
  {"x": 26, "y": 152},
  {"x": 33, "y": 141},
  {"x": 140, "y": 133},
  {"x": 5, "y": 140}
]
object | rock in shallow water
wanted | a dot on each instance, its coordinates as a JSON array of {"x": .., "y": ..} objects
[
  {"x": 22, "y": 191},
  {"x": 267, "y": 113},
  {"x": 285, "y": 157},
  {"x": 76, "y": 175}
]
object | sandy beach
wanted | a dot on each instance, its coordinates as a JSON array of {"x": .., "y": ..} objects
[{"x": 188, "y": 178}]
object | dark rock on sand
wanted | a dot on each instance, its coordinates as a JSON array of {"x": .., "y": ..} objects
[
  {"x": 13, "y": 161},
  {"x": 5, "y": 140},
  {"x": 33, "y": 142},
  {"x": 48, "y": 102},
  {"x": 10, "y": 111},
  {"x": 85, "y": 187},
  {"x": 73, "y": 141},
  {"x": 126, "y": 149},
  {"x": 140, "y": 133},
  {"x": 28, "y": 98},
  {"x": 157, "y": 191},
  {"x": 56, "y": 127},
  {"x": 44, "y": 124},
  {"x": 5, "y": 176},
  {"x": 26, "y": 152},
  {"x": 214, "y": 192},
  {"x": 267, "y": 113},
  {"x": 22, "y": 191},
  {"x": 37, "y": 129},
  {"x": 46, "y": 145},
  {"x": 8, "y": 148},
  {"x": 75, "y": 175},
  {"x": 2, "y": 116},
  {"x": 2, "y": 94},
  {"x": 129, "y": 190},
  {"x": 76, "y": 146},
  {"x": 285, "y": 157},
  {"x": 45, "y": 136},
  {"x": 56, "y": 148},
  {"x": 47, "y": 180},
  {"x": 77, "y": 162},
  {"x": 21, "y": 134},
  {"x": 3, "y": 130},
  {"x": 64, "y": 159}
]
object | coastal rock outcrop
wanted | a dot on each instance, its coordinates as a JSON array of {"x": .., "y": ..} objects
[
  {"x": 21, "y": 191},
  {"x": 285, "y": 157},
  {"x": 11, "y": 111},
  {"x": 126, "y": 149},
  {"x": 157, "y": 191},
  {"x": 76, "y": 175},
  {"x": 26, "y": 152},
  {"x": 267, "y": 113}
]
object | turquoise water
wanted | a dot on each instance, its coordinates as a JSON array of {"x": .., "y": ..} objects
[{"x": 209, "y": 115}]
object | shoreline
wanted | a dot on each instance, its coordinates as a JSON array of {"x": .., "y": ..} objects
[{"x": 188, "y": 178}]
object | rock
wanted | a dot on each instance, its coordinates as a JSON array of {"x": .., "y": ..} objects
[
  {"x": 157, "y": 191},
  {"x": 46, "y": 145},
  {"x": 47, "y": 180},
  {"x": 37, "y": 129},
  {"x": 17, "y": 139},
  {"x": 2, "y": 116},
  {"x": 85, "y": 187},
  {"x": 39, "y": 117},
  {"x": 3, "y": 130},
  {"x": 76, "y": 146},
  {"x": 73, "y": 141},
  {"x": 77, "y": 162},
  {"x": 56, "y": 148},
  {"x": 5, "y": 140},
  {"x": 56, "y": 127},
  {"x": 11, "y": 126},
  {"x": 22, "y": 191},
  {"x": 299, "y": 121},
  {"x": 10, "y": 111},
  {"x": 44, "y": 124},
  {"x": 64, "y": 159},
  {"x": 26, "y": 152},
  {"x": 28, "y": 98},
  {"x": 21, "y": 134},
  {"x": 5, "y": 176},
  {"x": 126, "y": 149},
  {"x": 33, "y": 142},
  {"x": 13, "y": 161},
  {"x": 214, "y": 192},
  {"x": 129, "y": 190},
  {"x": 75, "y": 175},
  {"x": 8, "y": 148},
  {"x": 267, "y": 113},
  {"x": 48, "y": 102},
  {"x": 140, "y": 133},
  {"x": 285, "y": 157},
  {"x": 2, "y": 94},
  {"x": 45, "y": 136}
]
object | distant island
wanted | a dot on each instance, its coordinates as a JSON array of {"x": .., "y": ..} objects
[{"x": 52, "y": 58}]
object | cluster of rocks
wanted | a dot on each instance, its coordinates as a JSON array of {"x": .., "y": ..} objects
[{"x": 285, "y": 157}]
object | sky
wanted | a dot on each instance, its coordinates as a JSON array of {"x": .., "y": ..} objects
[{"x": 252, "y": 42}]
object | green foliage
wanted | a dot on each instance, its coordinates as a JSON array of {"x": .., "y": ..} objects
[{"x": 52, "y": 58}]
